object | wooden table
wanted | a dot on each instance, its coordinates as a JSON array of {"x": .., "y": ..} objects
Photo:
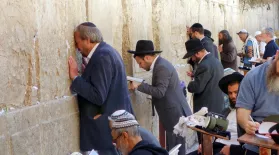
[
  {"x": 265, "y": 144},
  {"x": 206, "y": 140}
]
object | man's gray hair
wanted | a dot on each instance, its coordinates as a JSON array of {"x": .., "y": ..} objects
[
  {"x": 269, "y": 31},
  {"x": 132, "y": 130},
  {"x": 89, "y": 32}
]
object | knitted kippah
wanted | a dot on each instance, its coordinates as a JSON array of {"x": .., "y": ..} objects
[{"x": 122, "y": 119}]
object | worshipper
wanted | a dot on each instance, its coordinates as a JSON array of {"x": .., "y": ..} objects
[
  {"x": 145, "y": 134},
  {"x": 127, "y": 137},
  {"x": 271, "y": 47},
  {"x": 258, "y": 97},
  {"x": 250, "y": 48},
  {"x": 197, "y": 32},
  {"x": 216, "y": 54},
  {"x": 205, "y": 80},
  {"x": 227, "y": 50},
  {"x": 229, "y": 84},
  {"x": 101, "y": 89},
  {"x": 167, "y": 97},
  {"x": 261, "y": 43}
]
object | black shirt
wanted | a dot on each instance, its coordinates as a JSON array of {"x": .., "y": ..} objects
[
  {"x": 270, "y": 49},
  {"x": 145, "y": 148}
]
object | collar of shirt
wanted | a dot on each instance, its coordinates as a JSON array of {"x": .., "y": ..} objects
[
  {"x": 202, "y": 38},
  {"x": 91, "y": 52},
  {"x": 203, "y": 57},
  {"x": 153, "y": 63}
]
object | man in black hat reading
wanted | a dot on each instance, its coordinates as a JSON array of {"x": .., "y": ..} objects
[
  {"x": 167, "y": 97},
  {"x": 206, "y": 78},
  {"x": 229, "y": 84}
]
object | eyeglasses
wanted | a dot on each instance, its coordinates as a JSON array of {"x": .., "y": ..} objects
[{"x": 114, "y": 140}]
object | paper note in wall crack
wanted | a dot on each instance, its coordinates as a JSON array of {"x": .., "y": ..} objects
[{"x": 129, "y": 78}]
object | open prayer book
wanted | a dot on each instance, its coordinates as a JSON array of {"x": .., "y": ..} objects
[
  {"x": 265, "y": 126},
  {"x": 254, "y": 60},
  {"x": 129, "y": 78}
]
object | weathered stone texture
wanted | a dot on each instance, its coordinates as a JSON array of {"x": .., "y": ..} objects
[
  {"x": 48, "y": 128},
  {"x": 37, "y": 39}
]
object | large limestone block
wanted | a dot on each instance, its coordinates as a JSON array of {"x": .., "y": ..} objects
[
  {"x": 37, "y": 39},
  {"x": 58, "y": 108},
  {"x": 60, "y": 136},
  {"x": 23, "y": 119},
  {"x": 27, "y": 142},
  {"x": 108, "y": 17},
  {"x": 4, "y": 147}
]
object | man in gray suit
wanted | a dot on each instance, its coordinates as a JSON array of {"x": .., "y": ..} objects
[
  {"x": 167, "y": 96},
  {"x": 206, "y": 78}
]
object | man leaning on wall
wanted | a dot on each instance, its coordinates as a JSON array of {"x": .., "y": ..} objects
[{"x": 101, "y": 89}]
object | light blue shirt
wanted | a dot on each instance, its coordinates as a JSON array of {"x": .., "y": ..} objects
[
  {"x": 253, "y": 94},
  {"x": 246, "y": 59}
]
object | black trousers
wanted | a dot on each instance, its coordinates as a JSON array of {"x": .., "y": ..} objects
[{"x": 173, "y": 140}]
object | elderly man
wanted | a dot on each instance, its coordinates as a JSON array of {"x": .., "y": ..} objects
[
  {"x": 167, "y": 96},
  {"x": 271, "y": 47},
  {"x": 101, "y": 89},
  {"x": 258, "y": 97},
  {"x": 205, "y": 80},
  {"x": 127, "y": 137},
  {"x": 250, "y": 48},
  {"x": 227, "y": 50},
  {"x": 261, "y": 43},
  {"x": 145, "y": 134}
]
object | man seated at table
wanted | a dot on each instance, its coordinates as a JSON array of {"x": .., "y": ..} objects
[
  {"x": 259, "y": 97},
  {"x": 125, "y": 134},
  {"x": 229, "y": 84}
]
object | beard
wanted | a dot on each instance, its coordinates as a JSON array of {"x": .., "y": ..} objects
[
  {"x": 221, "y": 41},
  {"x": 272, "y": 79},
  {"x": 232, "y": 104}
]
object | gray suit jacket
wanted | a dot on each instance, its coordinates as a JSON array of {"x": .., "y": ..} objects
[
  {"x": 205, "y": 85},
  {"x": 167, "y": 96}
]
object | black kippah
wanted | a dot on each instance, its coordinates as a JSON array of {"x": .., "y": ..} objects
[{"x": 88, "y": 24}]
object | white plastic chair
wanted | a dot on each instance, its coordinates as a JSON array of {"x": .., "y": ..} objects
[{"x": 174, "y": 151}]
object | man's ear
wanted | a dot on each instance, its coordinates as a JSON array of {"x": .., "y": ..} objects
[{"x": 125, "y": 135}]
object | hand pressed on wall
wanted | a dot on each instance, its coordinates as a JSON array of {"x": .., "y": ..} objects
[{"x": 73, "y": 68}]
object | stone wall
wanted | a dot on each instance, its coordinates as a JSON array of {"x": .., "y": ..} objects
[{"x": 37, "y": 39}]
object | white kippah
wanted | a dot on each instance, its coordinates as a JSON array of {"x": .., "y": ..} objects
[{"x": 122, "y": 119}]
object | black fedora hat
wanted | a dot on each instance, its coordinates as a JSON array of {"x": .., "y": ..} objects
[
  {"x": 144, "y": 47},
  {"x": 193, "y": 46},
  {"x": 230, "y": 76}
]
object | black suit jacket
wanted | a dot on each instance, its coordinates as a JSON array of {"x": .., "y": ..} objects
[
  {"x": 167, "y": 96},
  {"x": 102, "y": 89},
  {"x": 205, "y": 85}
]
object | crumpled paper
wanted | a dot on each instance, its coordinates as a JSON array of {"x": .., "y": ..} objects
[{"x": 197, "y": 119}]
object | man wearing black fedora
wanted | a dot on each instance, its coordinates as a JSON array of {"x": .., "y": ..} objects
[
  {"x": 205, "y": 79},
  {"x": 167, "y": 96},
  {"x": 229, "y": 84}
]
